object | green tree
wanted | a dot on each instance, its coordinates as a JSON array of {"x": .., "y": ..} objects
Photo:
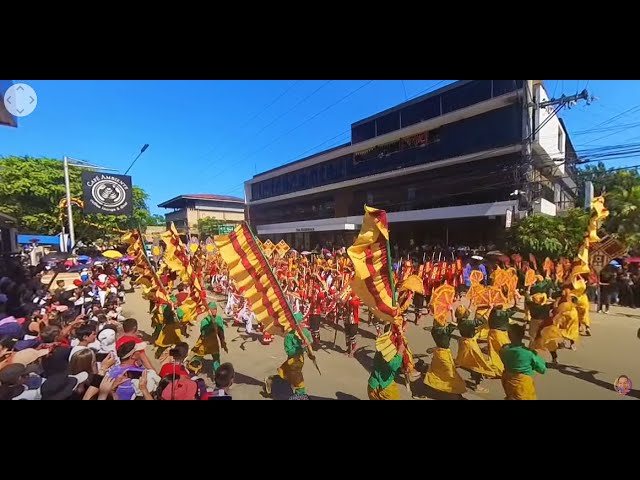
[
  {"x": 208, "y": 227},
  {"x": 552, "y": 237},
  {"x": 157, "y": 221},
  {"x": 31, "y": 189}
]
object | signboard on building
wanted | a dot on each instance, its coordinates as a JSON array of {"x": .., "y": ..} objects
[
  {"x": 225, "y": 229},
  {"x": 508, "y": 219},
  {"x": 107, "y": 194}
]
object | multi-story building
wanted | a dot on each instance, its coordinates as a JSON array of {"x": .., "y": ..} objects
[
  {"x": 188, "y": 210},
  {"x": 444, "y": 166}
]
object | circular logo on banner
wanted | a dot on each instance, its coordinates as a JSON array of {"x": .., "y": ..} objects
[{"x": 108, "y": 194}]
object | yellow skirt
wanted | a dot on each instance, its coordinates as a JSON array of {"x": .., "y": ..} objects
[
  {"x": 550, "y": 339},
  {"x": 442, "y": 374},
  {"x": 534, "y": 326},
  {"x": 570, "y": 325},
  {"x": 518, "y": 386},
  {"x": 497, "y": 339},
  {"x": 389, "y": 393},
  {"x": 471, "y": 358},
  {"x": 291, "y": 371},
  {"x": 482, "y": 332},
  {"x": 169, "y": 335},
  {"x": 206, "y": 345},
  {"x": 583, "y": 310}
]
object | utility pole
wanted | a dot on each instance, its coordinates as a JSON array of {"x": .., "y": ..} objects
[
  {"x": 72, "y": 233},
  {"x": 66, "y": 162},
  {"x": 531, "y": 108}
]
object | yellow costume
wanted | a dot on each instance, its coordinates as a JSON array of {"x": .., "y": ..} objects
[
  {"x": 291, "y": 371},
  {"x": 391, "y": 392},
  {"x": 469, "y": 355},
  {"x": 497, "y": 339},
  {"x": 482, "y": 313},
  {"x": 568, "y": 321},
  {"x": 442, "y": 374},
  {"x": 518, "y": 386}
]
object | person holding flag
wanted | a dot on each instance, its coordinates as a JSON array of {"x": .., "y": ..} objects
[
  {"x": 291, "y": 368},
  {"x": 210, "y": 340}
]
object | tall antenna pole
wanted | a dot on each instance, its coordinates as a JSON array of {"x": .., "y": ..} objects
[{"x": 72, "y": 233}]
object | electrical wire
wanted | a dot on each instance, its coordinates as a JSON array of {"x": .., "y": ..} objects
[{"x": 260, "y": 112}]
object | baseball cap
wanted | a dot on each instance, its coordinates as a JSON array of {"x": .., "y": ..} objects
[
  {"x": 129, "y": 348},
  {"x": 107, "y": 339},
  {"x": 183, "y": 389}
]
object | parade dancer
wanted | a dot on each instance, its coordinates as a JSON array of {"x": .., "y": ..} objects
[
  {"x": 351, "y": 321},
  {"x": 540, "y": 309},
  {"x": 563, "y": 325},
  {"x": 442, "y": 374},
  {"x": 211, "y": 338},
  {"x": 318, "y": 297},
  {"x": 382, "y": 381},
  {"x": 291, "y": 368},
  {"x": 470, "y": 357},
  {"x": 498, "y": 336},
  {"x": 520, "y": 365}
]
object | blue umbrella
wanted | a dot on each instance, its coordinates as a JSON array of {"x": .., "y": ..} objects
[
  {"x": 615, "y": 263},
  {"x": 84, "y": 258}
]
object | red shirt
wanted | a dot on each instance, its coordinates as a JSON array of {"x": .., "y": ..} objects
[
  {"x": 167, "y": 370},
  {"x": 355, "y": 309},
  {"x": 127, "y": 338},
  {"x": 316, "y": 303}
]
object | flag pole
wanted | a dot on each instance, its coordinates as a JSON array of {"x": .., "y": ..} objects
[
  {"x": 297, "y": 328},
  {"x": 390, "y": 271}
]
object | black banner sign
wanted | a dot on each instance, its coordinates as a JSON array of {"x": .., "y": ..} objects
[{"x": 107, "y": 194}]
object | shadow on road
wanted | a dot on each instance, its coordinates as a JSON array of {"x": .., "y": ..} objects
[{"x": 587, "y": 376}]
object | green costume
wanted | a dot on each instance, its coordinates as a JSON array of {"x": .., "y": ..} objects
[
  {"x": 208, "y": 343},
  {"x": 384, "y": 373},
  {"x": 499, "y": 319},
  {"x": 294, "y": 347},
  {"x": 519, "y": 359}
]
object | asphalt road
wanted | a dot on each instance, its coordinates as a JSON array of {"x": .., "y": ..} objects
[{"x": 585, "y": 374}]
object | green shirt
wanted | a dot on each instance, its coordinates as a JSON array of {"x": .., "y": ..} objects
[
  {"x": 442, "y": 335},
  {"x": 519, "y": 359},
  {"x": 384, "y": 373},
  {"x": 499, "y": 319},
  {"x": 206, "y": 325},
  {"x": 293, "y": 346},
  {"x": 468, "y": 327},
  {"x": 544, "y": 286}
]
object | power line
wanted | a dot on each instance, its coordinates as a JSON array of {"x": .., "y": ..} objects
[{"x": 260, "y": 112}]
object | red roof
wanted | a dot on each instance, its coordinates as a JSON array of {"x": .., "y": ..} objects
[{"x": 201, "y": 196}]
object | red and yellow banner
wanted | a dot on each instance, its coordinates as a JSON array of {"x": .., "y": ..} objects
[
  {"x": 253, "y": 276},
  {"x": 372, "y": 282}
]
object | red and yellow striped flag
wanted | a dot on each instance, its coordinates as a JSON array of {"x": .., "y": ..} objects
[
  {"x": 372, "y": 281},
  {"x": 252, "y": 275}
]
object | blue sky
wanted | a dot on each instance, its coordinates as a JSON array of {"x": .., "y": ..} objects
[{"x": 210, "y": 136}]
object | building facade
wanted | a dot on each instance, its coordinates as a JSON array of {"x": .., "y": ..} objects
[
  {"x": 444, "y": 166},
  {"x": 188, "y": 210}
]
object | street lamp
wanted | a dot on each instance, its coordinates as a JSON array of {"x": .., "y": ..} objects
[{"x": 142, "y": 150}]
